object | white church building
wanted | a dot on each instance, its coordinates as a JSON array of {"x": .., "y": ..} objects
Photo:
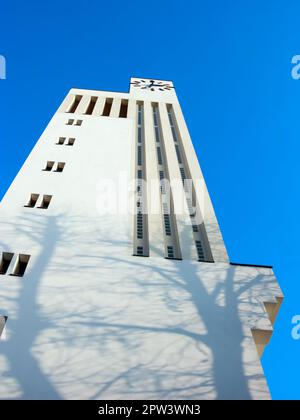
[{"x": 115, "y": 282}]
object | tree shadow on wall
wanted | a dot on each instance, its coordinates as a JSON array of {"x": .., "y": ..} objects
[
  {"x": 226, "y": 376},
  {"x": 29, "y": 321}
]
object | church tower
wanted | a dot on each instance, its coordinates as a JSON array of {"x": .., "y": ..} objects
[{"x": 115, "y": 282}]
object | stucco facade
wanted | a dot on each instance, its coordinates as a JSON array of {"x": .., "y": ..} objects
[{"x": 104, "y": 308}]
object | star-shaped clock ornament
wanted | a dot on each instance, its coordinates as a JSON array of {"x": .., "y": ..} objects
[{"x": 152, "y": 85}]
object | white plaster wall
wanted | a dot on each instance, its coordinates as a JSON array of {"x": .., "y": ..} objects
[{"x": 90, "y": 321}]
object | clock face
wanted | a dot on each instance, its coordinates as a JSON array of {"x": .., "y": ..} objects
[{"x": 153, "y": 85}]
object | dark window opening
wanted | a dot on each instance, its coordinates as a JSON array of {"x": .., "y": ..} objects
[
  {"x": 49, "y": 166},
  {"x": 159, "y": 157},
  {"x": 60, "y": 167},
  {"x": 78, "y": 122},
  {"x": 61, "y": 140},
  {"x": 71, "y": 141},
  {"x": 45, "y": 202},
  {"x": 91, "y": 106},
  {"x": 21, "y": 265},
  {"x": 5, "y": 261},
  {"x": 75, "y": 104},
  {"x": 139, "y": 225},
  {"x": 170, "y": 252},
  {"x": 139, "y": 134},
  {"x": 157, "y": 134},
  {"x": 167, "y": 225},
  {"x": 139, "y": 155},
  {"x": 200, "y": 251},
  {"x": 139, "y": 250},
  {"x": 178, "y": 153},
  {"x": 107, "y": 107},
  {"x": 123, "y": 109},
  {"x": 3, "y": 320},
  {"x": 70, "y": 122},
  {"x": 33, "y": 200}
]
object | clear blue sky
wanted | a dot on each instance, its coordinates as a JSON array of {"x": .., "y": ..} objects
[{"x": 231, "y": 64}]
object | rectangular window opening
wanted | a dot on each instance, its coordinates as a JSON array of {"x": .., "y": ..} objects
[
  {"x": 123, "y": 109},
  {"x": 78, "y": 122},
  {"x": 21, "y": 265},
  {"x": 170, "y": 251},
  {"x": 46, "y": 201},
  {"x": 159, "y": 155},
  {"x": 70, "y": 122},
  {"x": 75, "y": 104},
  {"x": 139, "y": 155},
  {"x": 107, "y": 107},
  {"x": 200, "y": 251},
  {"x": 71, "y": 141},
  {"x": 139, "y": 251},
  {"x": 60, "y": 167},
  {"x": 32, "y": 201},
  {"x": 3, "y": 321},
  {"x": 195, "y": 228},
  {"x": 91, "y": 106},
  {"x": 5, "y": 261},
  {"x": 49, "y": 166},
  {"x": 178, "y": 153},
  {"x": 61, "y": 140}
]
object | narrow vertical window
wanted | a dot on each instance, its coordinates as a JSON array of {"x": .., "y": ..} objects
[
  {"x": 140, "y": 251},
  {"x": 49, "y": 166},
  {"x": 107, "y": 107},
  {"x": 200, "y": 250},
  {"x": 75, "y": 104},
  {"x": 5, "y": 261},
  {"x": 139, "y": 222},
  {"x": 60, "y": 167},
  {"x": 124, "y": 108},
  {"x": 159, "y": 158},
  {"x": 21, "y": 264},
  {"x": 71, "y": 141},
  {"x": 91, "y": 105},
  {"x": 172, "y": 248},
  {"x": 178, "y": 153},
  {"x": 45, "y": 202},
  {"x": 3, "y": 321},
  {"x": 141, "y": 241},
  {"x": 139, "y": 155},
  {"x": 170, "y": 252},
  {"x": 32, "y": 201},
  {"x": 61, "y": 140}
]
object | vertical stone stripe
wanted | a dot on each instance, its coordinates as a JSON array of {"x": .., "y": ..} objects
[
  {"x": 83, "y": 105},
  {"x": 184, "y": 227},
  {"x": 115, "y": 108},
  {"x": 211, "y": 224},
  {"x": 98, "y": 109},
  {"x": 66, "y": 103}
]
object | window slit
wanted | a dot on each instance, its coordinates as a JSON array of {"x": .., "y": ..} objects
[
  {"x": 75, "y": 104},
  {"x": 107, "y": 107},
  {"x": 91, "y": 105}
]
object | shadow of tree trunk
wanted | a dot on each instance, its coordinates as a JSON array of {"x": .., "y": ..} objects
[{"x": 24, "y": 366}]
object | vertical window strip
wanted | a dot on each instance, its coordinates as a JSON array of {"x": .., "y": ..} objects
[
  {"x": 141, "y": 245},
  {"x": 195, "y": 228},
  {"x": 168, "y": 218}
]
